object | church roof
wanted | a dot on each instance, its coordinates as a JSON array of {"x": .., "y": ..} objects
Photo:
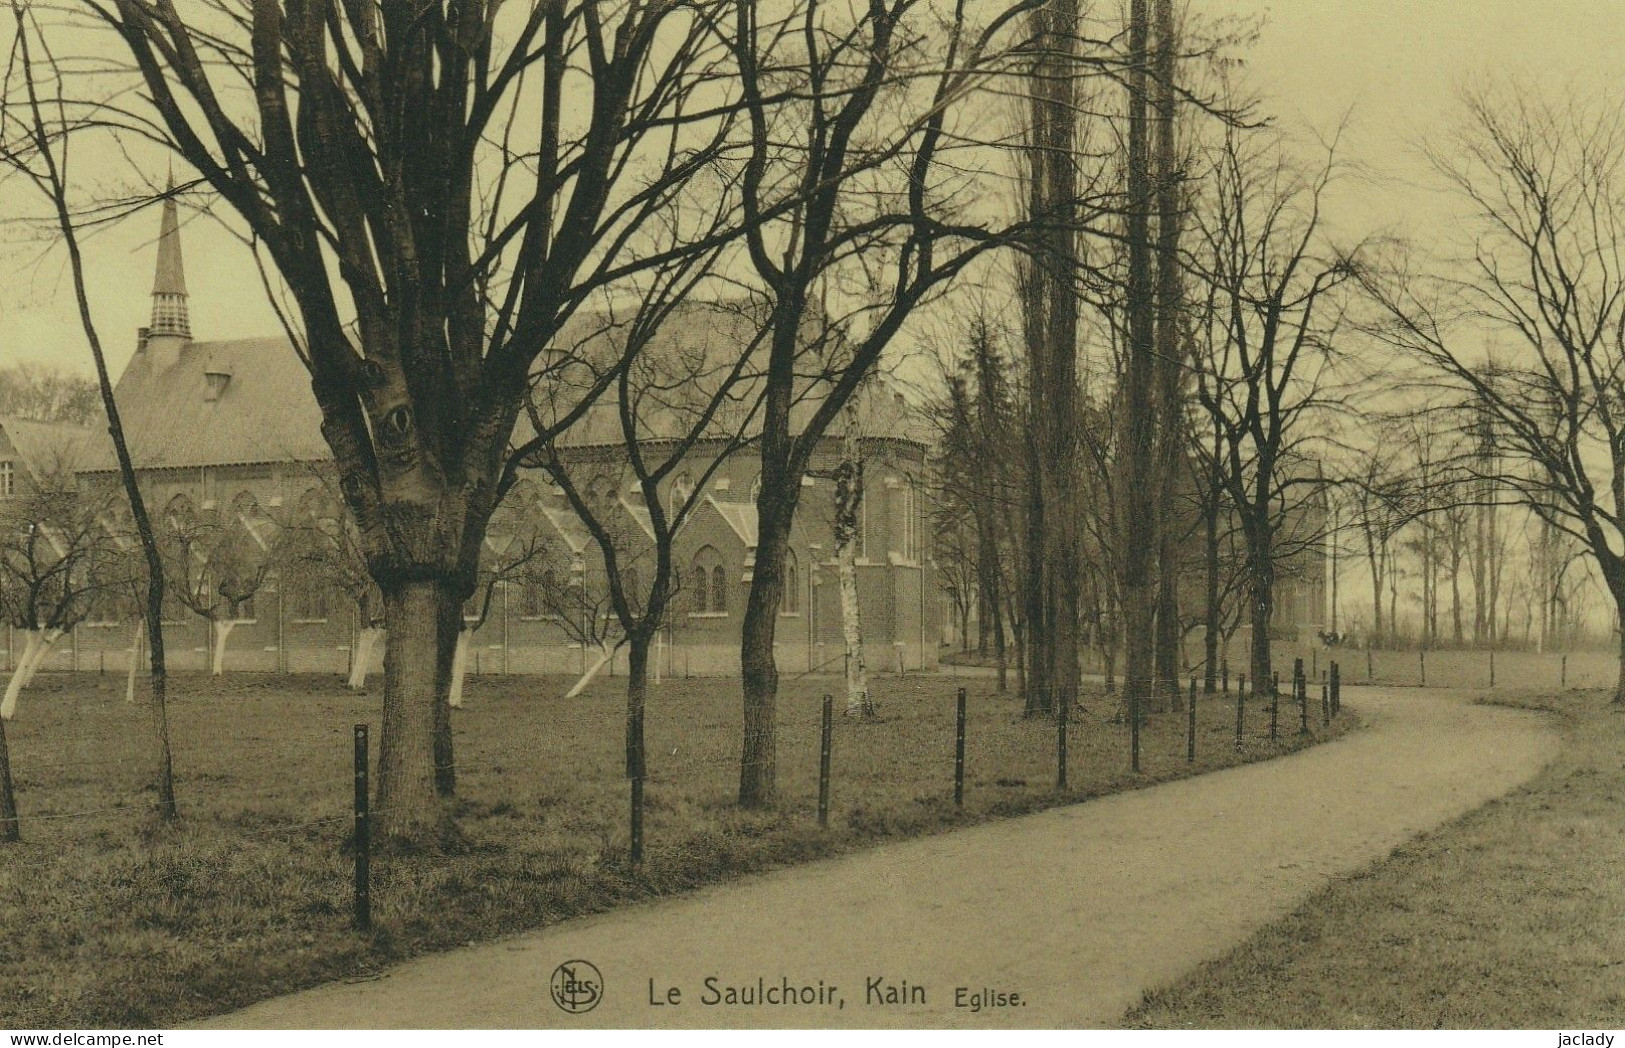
[
  {"x": 688, "y": 361},
  {"x": 47, "y": 446},
  {"x": 266, "y": 411}
]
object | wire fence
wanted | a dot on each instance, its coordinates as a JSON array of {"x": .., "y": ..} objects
[{"x": 257, "y": 770}]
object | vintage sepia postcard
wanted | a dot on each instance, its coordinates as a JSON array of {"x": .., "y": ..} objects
[{"x": 1003, "y": 515}]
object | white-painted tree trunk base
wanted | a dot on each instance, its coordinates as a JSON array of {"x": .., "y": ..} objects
[
  {"x": 459, "y": 670},
  {"x": 362, "y": 657},
  {"x": 606, "y": 653},
  {"x": 138, "y": 636},
  {"x": 36, "y": 646},
  {"x": 222, "y": 633}
]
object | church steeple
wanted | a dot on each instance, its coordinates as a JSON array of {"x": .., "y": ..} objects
[{"x": 169, "y": 311}]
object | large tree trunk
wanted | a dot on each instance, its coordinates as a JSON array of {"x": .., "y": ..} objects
[
  {"x": 361, "y": 658},
  {"x": 1037, "y": 648},
  {"x": 637, "y": 693},
  {"x": 449, "y": 634},
  {"x": 1619, "y": 687},
  {"x": 857, "y": 681},
  {"x": 163, "y": 772},
  {"x": 759, "y": 671},
  {"x": 1136, "y": 473},
  {"x": 1212, "y": 612},
  {"x": 999, "y": 648},
  {"x": 10, "y": 831},
  {"x": 1167, "y": 694},
  {"x": 409, "y": 809},
  {"x": 1262, "y": 572},
  {"x": 1050, "y": 320},
  {"x": 1170, "y": 362}
]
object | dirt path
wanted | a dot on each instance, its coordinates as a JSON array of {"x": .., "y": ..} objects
[{"x": 1078, "y": 910}]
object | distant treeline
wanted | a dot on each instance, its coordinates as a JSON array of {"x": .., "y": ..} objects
[{"x": 47, "y": 393}]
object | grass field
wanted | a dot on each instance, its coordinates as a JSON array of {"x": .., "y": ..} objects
[
  {"x": 1512, "y": 671},
  {"x": 1512, "y": 917},
  {"x": 111, "y": 921}
]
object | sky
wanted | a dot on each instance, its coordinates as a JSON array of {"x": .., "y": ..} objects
[{"x": 1392, "y": 67}]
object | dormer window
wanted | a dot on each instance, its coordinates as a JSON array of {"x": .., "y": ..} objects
[{"x": 218, "y": 381}]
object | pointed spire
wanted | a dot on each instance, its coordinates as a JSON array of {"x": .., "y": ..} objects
[
  {"x": 171, "y": 276},
  {"x": 169, "y": 309}
]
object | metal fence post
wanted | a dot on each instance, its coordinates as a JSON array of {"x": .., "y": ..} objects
[
  {"x": 1190, "y": 734},
  {"x": 363, "y": 835},
  {"x": 1062, "y": 702},
  {"x": 823, "y": 761},
  {"x": 1241, "y": 698},
  {"x": 959, "y": 754},
  {"x": 1300, "y": 684}
]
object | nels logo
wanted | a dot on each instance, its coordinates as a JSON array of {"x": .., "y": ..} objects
[{"x": 577, "y": 986}]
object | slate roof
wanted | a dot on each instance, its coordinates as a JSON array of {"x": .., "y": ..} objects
[
  {"x": 267, "y": 412},
  {"x": 43, "y": 446},
  {"x": 693, "y": 354}
]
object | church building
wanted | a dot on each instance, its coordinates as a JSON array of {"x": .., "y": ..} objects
[{"x": 227, "y": 433}]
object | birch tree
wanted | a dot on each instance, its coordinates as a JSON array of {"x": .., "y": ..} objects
[{"x": 848, "y": 518}]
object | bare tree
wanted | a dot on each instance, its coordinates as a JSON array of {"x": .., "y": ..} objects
[
  {"x": 858, "y": 181},
  {"x": 1541, "y": 183},
  {"x": 980, "y": 475},
  {"x": 687, "y": 397},
  {"x": 215, "y": 561},
  {"x": 392, "y": 146},
  {"x": 1383, "y": 503},
  {"x": 1266, "y": 366},
  {"x": 48, "y": 394},
  {"x": 51, "y": 535},
  {"x": 36, "y": 147}
]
